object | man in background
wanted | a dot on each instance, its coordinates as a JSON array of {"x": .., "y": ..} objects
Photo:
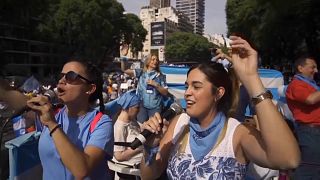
[{"x": 303, "y": 98}]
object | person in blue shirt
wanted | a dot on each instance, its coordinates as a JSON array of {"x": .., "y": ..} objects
[
  {"x": 68, "y": 149},
  {"x": 152, "y": 87}
]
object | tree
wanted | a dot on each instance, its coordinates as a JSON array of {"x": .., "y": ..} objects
[
  {"x": 281, "y": 30},
  {"x": 184, "y": 46},
  {"x": 134, "y": 33},
  {"x": 93, "y": 28}
]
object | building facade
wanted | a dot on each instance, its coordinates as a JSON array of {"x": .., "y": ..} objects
[
  {"x": 21, "y": 55},
  {"x": 159, "y": 3},
  {"x": 160, "y": 23},
  {"x": 195, "y": 11}
]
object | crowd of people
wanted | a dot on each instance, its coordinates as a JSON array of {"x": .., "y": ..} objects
[{"x": 210, "y": 140}]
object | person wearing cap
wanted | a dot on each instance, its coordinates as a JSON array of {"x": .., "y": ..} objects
[{"x": 126, "y": 128}]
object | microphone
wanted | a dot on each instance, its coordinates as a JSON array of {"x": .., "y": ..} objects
[
  {"x": 50, "y": 94},
  {"x": 168, "y": 114}
]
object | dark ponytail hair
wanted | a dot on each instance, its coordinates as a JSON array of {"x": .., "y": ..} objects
[
  {"x": 95, "y": 75},
  {"x": 220, "y": 77}
]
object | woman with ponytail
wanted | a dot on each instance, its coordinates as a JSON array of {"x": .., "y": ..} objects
[
  {"x": 77, "y": 141},
  {"x": 206, "y": 142}
]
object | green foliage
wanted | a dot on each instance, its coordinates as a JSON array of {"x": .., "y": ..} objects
[
  {"x": 92, "y": 28},
  {"x": 22, "y": 17},
  {"x": 88, "y": 28},
  {"x": 280, "y": 30},
  {"x": 184, "y": 46},
  {"x": 134, "y": 33}
]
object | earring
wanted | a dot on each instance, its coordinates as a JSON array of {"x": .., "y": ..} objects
[{"x": 87, "y": 92}]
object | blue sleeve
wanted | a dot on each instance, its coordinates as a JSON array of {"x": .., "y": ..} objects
[
  {"x": 102, "y": 135},
  {"x": 138, "y": 72}
]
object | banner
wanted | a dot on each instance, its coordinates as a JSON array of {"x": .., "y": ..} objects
[
  {"x": 176, "y": 77},
  {"x": 157, "y": 33},
  {"x": 24, "y": 160}
]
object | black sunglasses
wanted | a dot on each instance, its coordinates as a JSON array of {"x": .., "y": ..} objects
[{"x": 71, "y": 76}]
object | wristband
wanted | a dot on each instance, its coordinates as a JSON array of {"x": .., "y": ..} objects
[
  {"x": 123, "y": 58},
  {"x": 265, "y": 95},
  {"x": 54, "y": 129},
  {"x": 151, "y": 154}
]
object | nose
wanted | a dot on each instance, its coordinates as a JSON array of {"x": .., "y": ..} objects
[{"x": 187, "y": 93}]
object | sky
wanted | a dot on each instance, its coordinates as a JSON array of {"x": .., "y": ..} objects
[{"x": 215, "y": 17}]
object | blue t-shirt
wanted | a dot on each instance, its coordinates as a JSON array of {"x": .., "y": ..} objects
[
  {"x": 149, "y": 95},
  {"x": 77, "y": 130}
]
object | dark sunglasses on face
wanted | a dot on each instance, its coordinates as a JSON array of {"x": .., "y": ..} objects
[{"x": 71, "y": 76}]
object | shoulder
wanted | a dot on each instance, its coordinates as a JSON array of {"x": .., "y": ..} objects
[
  {"x": 244, "y": 132},
  {"x": 176, "y": 127},
  {"x": 298, "y": 88},
  {"x": 295, "y": 83},
  {"x": 179, "y": 125},
  {"x": 103, "y": 123},
  {"x": 95, "y": 113},
  {"x": 233, "y": 126},
  {"x": 138, "y": 72}
]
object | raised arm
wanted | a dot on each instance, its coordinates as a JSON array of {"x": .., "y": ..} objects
[
  {"x": 124, "y": 68},
  {"x": 79, "y": 162},
  {"x": 274, "y": 145}
]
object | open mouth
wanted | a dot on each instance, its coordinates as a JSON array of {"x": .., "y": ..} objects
[
  {"x": 190, "y": 103},
  {"x": 60, "y": 91}
]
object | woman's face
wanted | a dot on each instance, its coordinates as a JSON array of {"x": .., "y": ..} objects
[
  {"x": 71, "y": 89},
  {"x": 153, "y": 63},
  {"x": 198, "y": 95}
]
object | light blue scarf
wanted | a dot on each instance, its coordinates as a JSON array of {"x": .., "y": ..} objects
[
  {"x": 203, "y": 140},
  {"x": 128, "y": 99},
  {"x": 309, "y": 81}
]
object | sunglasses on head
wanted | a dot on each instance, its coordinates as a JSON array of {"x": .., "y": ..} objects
[{"x": 71, "y": 76}]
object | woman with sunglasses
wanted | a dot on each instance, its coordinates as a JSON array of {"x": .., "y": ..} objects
[
  {"x": 68, "y": 148},
  {"x": 206, "y": 142},
  {"x": 151, "y": 88}
]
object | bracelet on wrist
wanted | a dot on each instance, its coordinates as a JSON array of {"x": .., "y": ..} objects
[
  {"x": 123, "y": 59},
  {"x": 262, "y": 96},
  {"x": 54, "y": 129}
]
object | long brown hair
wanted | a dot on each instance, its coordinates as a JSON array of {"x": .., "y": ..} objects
[
  {"x": 220, "y": 77},
  {"x": 147, "y": 62}
]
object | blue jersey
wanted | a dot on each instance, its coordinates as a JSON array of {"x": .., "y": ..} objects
[
  {"x": 77, "y": 130},
  {"x": 150, "y": 96}
]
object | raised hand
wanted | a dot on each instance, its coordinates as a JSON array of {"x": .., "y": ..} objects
[
  {"x": 156, "y": 125},
  {"x": 124, "y": 49},
  {"x": 42, "y": 105},
  {"x": 243, "y": 57},
  {"x": 244, "y": 60}
]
